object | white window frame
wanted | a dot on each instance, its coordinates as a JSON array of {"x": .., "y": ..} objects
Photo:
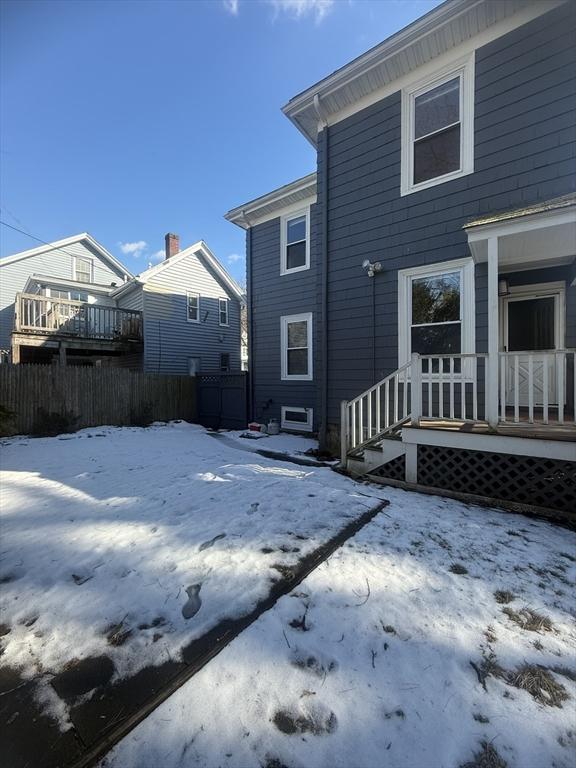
[
  {"x": 75, "y": 271},
  {"x": 226, "y": 304},
  {"x": 467, "y": 306},
  {"x": 464, "y": 69},
  {"x": 188, "y": 318},
  {"x": 284, "y": 321},
  {"x": 284, "y": 219},
  {"x": 298, "y": 426}
]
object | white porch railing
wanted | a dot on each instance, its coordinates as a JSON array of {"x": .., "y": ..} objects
[
  {"x": 45, "y": 315},
  {"x": 537, "y": 387}
]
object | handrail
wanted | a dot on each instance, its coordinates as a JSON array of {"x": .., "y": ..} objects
[
  {"x": 379, "y": 383},
  {"x": 66, "y": 317}
]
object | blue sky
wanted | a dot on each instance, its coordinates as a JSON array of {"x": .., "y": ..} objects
[{"x": 129, "y": 119}]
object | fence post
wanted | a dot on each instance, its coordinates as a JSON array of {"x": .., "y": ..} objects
[
  {"x": 343, "y": 432},
  {"x": 416, "y": 389}
]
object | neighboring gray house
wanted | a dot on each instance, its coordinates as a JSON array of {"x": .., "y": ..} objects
[
  {"x": 73, "y": 302},
  {"x": 191, "y": 312},
  {"x": 421, "y": 285}
]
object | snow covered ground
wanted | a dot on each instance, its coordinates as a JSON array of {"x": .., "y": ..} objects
[
  {"x": 132, "y": 542},
  {"x": 441, "y": 635}
]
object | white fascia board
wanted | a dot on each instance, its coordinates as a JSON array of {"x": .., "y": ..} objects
[
  {"x": 193, "y": 250},
  {"x": 91, "y": 287},
  {"x": 412, "y": 36},
  {"x": 61, "y": 244},
  {"x": 275, "y": 203}
]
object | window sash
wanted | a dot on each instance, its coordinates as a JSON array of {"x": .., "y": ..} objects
[
  {"x": 193, "y": 303},
  {"x": 83, "y": 270},
  {"x": 224, "y": 362},
  {"x": 286, "y": 349},
  {"x": 287, "y": 243},
  {"x": 223, "y": 312}
]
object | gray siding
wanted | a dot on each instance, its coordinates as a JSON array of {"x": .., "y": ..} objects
[
  {"x": 169, "y": 339},
  {"x": 54, "y": 263},
  {"x": 271, "y": 296},
  {"x": 524, "y": 153},
  {"x": 132, "y": 300}
]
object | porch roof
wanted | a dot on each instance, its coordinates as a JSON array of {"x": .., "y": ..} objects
[{"x": 539, "y": 235}]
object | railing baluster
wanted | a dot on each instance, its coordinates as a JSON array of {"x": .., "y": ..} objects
[
  {"x": 429, "y": 389},
  {"x": 361, "y": 420},
  {"x": 451, "y": 387},
  {"x": 378, "y": 395},
  {"x": 531, "y": 389},
  {"x": 559, "y": 361},
  {"x": 503, "y": 359},
  {"x": 396, "y": 398},
  {"x": 405, "y": 394},
  {"x": 387, "y": 415},
  {"x": 545, "y": 389},
  {"x": 369, "y": 415},
  {"x": 516, "y": 389},
  {"x": 354, "y": 443},
  {"x": 441, "y": 387}
]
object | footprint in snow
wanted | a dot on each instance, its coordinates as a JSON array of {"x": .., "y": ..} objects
[
  {"x": 194, "y": 602},
  {"x": 253, "y": 508},
  {"x": 208, "y": 544}
]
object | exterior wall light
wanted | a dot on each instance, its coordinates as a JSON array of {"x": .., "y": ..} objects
[{"x": 371, "y": 267}]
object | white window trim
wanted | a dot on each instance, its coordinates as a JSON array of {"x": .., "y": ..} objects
[
  {"x": 227, "y": 303},
  {"x": 220, "y": 366},
  {"x": 284, "y": 240},
  {"x": 284, "y": 320},
  {"x": 74, "y": 271},
  {"x": 467, "y": 305},
  {"x": 464, "y": 68},
  {"x": 188, "y": 318},
  {"x": 298, "y": 426}
]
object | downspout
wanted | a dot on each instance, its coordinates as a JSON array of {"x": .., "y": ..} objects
[
  {"x": 323, "y": 126},
  {"x": 250, "y": 316}
]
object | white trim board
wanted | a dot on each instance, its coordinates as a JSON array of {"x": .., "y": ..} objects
[{"x": 562, "y": 450}]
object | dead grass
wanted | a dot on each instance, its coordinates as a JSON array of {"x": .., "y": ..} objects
[
  {"x": 487, "y": 757},
  {"x": 540, "y": 684},
  {"x": 529, "y": 620},
  {"x": 503, "y": 596}
]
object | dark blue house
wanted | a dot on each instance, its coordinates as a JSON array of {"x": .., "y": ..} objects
[{"x": 414, "y": 300}]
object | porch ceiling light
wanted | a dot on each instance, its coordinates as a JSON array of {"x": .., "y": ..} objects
[{"x": 503, "y": 287}]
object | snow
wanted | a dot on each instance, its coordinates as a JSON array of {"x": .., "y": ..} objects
[
  {"x": 378, "y": 671},
  {"x": 292, "y": 445},
  {"x": 151, "y": 535}
]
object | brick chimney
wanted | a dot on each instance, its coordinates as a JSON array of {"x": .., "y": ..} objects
[{"x": 172, "y": 244}]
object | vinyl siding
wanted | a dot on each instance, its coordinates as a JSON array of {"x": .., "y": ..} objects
[
  {"x": 132, "y": 300},
  {"x": 169, "y": 339},
  {"x": 54, "y": 263},
  {"x": 524, "y": 141},
  {"x": 272, "y": 296}
]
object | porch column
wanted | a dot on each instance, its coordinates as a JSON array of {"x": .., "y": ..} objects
[{"x": 493, "y": 333}]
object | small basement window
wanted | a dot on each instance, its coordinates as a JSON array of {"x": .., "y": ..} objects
[
  {"x": 296, "y": 418},
  {"x": 295, "y": 255}
]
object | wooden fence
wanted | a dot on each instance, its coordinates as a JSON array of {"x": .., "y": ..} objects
[{"x": 48, "y": 399}]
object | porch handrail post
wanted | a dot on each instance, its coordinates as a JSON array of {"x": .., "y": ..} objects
[
  {"x": 343, "y": 431},
  {"x": 416, "y": 392},
  {"x": 493, "y": 330}
]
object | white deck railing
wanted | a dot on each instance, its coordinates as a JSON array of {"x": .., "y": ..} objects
[
  {"x": 537, "y": 387},
  {"x": 45, "y": 315}
]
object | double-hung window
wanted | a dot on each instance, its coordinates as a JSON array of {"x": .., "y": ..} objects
[
  {"x": 83, "y": 269},
  {"x": 223, "y": 312},
  {"x": 438, "y": 129},
  {"x": 295, "y": 245},
  {"x": 193, "y": 307},
  {"x": 296, "y": 347},
  {"x": 436, "y": 312},
  {"x": 225, "y": 362}
]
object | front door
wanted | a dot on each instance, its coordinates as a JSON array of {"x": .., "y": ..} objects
[{"x": 531, "y": 325}]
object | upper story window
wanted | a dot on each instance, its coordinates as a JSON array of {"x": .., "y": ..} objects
[
  {"x": 438, "y": 128},
  {"x": 295, "y": 255},
  {"x": 296, "y": 347},
  {"x": 223, "y": 312},
  {"x": 193, "y": 307},
  {"x": 83, "y": 270}
]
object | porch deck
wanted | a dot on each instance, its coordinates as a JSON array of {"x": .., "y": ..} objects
[{"x": 524, "y": 429}]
